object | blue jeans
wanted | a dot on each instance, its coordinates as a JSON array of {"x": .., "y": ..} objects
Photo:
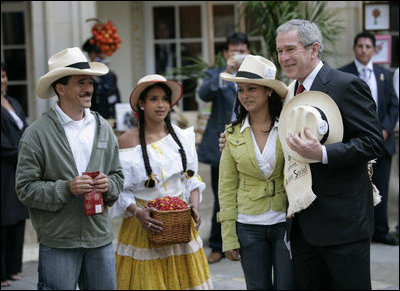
[
  {"x": 63, "y": 269},
  {"x": 265, "y": 258}
]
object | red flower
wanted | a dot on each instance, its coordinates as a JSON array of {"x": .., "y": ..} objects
[
  {"x": 105, "y": 36},
  {"x": 376, "y": 13}
]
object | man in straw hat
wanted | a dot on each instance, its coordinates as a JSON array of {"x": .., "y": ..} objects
[
  {"x": 54, "y": 151},
  {"x": 330, "y": 238}
]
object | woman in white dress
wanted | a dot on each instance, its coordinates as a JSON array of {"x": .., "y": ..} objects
[{"x": 158, "y": 159}]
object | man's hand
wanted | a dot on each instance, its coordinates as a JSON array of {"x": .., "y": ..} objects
[
  {"x": 232, "y": 65},
  {"x": 81, "y": 184},
  {"x": 84, "y": 184},
  {"x": 310, "y": 148},
  {"x": 385, "y": 134},
  {"x": 101, "y": 183}
]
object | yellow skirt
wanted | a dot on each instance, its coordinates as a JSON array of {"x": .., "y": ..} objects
[{"x": 141, "y": 265}]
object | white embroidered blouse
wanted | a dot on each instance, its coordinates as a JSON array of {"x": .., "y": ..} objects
[{"x": 166, "y": 163}]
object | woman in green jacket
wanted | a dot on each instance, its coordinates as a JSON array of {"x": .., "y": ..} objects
[{"x": 251, "y": 193}]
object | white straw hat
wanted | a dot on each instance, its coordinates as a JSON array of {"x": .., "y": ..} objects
[
  {"x": 70, "y": 61},
  {"x": 149, "y": 80},
  {"x": 257, "y": 70},
  {"x": 316, "y": 111}
]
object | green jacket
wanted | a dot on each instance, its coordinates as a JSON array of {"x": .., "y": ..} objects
[
  {"x": 242, "y": 186},
  {"x": 45, "y": 168}
]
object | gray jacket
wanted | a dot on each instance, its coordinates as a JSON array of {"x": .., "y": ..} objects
[{"x": 45, "y": 168}]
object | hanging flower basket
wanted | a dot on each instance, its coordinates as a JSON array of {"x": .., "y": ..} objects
[{"x": 105, "y": 36}]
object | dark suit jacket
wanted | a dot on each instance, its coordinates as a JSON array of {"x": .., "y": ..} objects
[
  {"x": 343, "y": 209},
  {"x": 12, "y": 210},
  {"x": 223, "y": 100},
  {"x": 388, "y": 104}
]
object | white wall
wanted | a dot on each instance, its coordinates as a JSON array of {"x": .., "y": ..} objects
[
  {"x": 350, "y": 15},
  {"x": 128, "y": 61},
  {"x": 56, "y": 25}
]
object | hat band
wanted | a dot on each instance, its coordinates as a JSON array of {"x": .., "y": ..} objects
[
  {"x": 248, "y": 75},
  {"x": 323, "y": 116},
  {"x": 81, "y": 65}
]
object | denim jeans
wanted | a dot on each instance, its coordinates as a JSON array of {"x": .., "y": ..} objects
[
  {"x": 63, "y": 269},
  {"x": 265, "y": 258}
]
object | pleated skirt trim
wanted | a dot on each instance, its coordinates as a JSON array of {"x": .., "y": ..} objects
[{"x": 142, "y": 265}]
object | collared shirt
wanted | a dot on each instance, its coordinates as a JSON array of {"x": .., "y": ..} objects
[
  {"x": 265, "y": 159},
  {"x": 307, "y": 85},
  {"x": 80, "y": 135},
  {"x": 266, "y": 162},
  {"x": 372, "y": 84}
]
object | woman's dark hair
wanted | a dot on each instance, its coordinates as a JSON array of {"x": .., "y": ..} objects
[
  {"x": 151, "y": 182},
  {"x": 274, "y": 107}
]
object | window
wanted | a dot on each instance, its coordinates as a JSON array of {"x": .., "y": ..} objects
[
  {"x": 14, "y": 50},
  {"x": 179, "y": 32},
  {"x": 177, "y": 36}
]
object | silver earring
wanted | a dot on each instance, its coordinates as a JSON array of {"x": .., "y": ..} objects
[{"x": 142, "y": 108}]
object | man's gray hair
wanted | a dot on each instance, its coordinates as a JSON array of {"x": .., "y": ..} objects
[{"x": 308, "y": 32}]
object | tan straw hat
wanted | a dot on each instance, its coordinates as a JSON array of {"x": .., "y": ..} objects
[
  {"x": 149, "y": 80},
  {"x": 70, "y": 61},
  {"x": 257, "y": 70},
  {"x": 315, "y": 110}
]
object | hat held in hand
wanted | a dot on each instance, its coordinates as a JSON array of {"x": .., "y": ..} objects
[
  {"x": 316, "y": 111},
  {"x": 70, "y": 61}
]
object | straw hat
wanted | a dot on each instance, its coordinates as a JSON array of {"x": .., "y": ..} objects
[
  {"x": 257, "y": 70},
  {"x": 149, "y": 80},
  {"x": 314, "y": 110},
  {"x": 70, "y": 61}
]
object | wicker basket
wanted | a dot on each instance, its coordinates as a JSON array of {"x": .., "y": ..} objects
[{"x": 176, "y": 227}]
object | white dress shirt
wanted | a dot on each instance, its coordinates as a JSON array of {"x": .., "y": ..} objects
[
  {"x": 80, "y": 135},
  {"x": 371, "y": 80}
]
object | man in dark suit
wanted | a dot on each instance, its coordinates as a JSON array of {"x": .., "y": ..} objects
[
  {"x": 222, "y": 94},
  {"x": 330, "y": 239},
  {"x": 380, "y": 82}
]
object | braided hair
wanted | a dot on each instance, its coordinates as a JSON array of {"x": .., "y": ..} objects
[
  {"x": 274, "y": 106},
  {"x": 152, "y": 181}
]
